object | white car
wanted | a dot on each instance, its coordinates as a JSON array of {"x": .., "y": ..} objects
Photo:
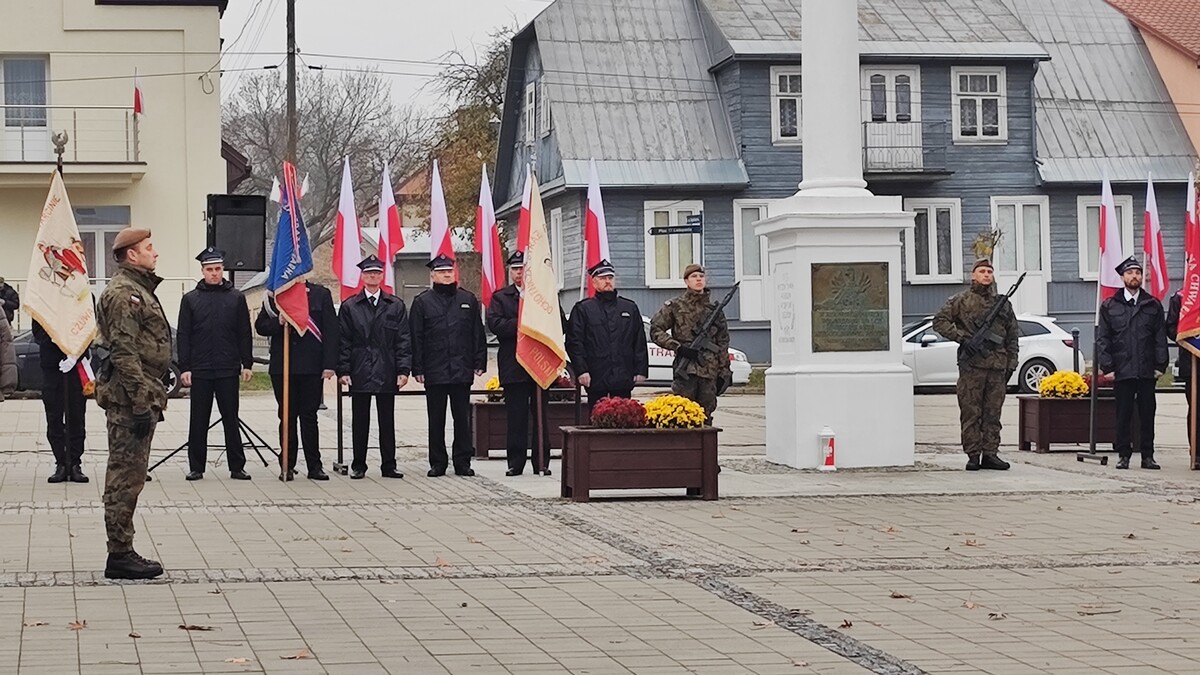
[
  {"x": 661, "y": 360},
  {"x": 1045, "y": 348}
]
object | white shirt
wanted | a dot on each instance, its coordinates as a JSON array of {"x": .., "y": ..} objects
[
  {"x": 1132, "y": 296},
  {"x": 373, "y": 299}
]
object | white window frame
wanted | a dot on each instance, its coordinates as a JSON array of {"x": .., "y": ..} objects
[
  {"x": 749, "y": 313},
  {"x": 1082, "y": 204},
  {"x": 543, "y": 122},
  {"x": 531, "y": 112},
  {"x": 890, "y": 72},
  {"x": 556, "y": 245},
  {"x": 674, "y": 207},
  {"x": 1002, "y": 106},
  {"x": 776, "y": 96},
  {"x": 956, "y": 253},
  {"x": 45, "y": 88},
  {"x": 1025, "y": 200}
]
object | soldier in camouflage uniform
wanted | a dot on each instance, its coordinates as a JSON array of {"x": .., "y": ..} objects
[
  {"x": 982, "y": 378},
  {"x": 674, "y": 327},
  {"x": 129, "y": 388}
]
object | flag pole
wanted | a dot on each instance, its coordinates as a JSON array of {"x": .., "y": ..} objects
[
  {"x": 287, "y": 372},
  {"x": 1192, "y": 414},
  {"x": 539, "y": 440},
  {"x": 583, "y": 268}
]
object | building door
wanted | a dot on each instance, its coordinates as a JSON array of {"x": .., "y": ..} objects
[
  {"x": 750, "y": 261},
  {"x": 1024, "y": 248},
  {"x": 892, "y": 118}
]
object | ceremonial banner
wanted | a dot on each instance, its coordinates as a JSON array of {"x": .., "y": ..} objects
[
  {"x": 291, "y": 259},
  {"x": 541, "y": 346},
  {"x": 487, "y": 243},
  {"x": 58, "y": 291},
  {"x": 1189, "y": 309}
]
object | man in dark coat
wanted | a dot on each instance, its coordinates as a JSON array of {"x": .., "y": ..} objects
[
  {"x": 374, "y": 362},
  {"x": 606, "y": 339},
  {"x": 1131, "y": 343},
  {"x": 214, "y": 349},
  {"x": 313, "y": 357},
  {"x": 10, "y": 300},
  {"x": 1186, "y": 361},
  {"x": 65, "y": 406},
  {"x": 449, "y": 351}
]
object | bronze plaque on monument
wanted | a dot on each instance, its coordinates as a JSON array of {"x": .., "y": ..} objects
[{"x": 850, "y": 307}]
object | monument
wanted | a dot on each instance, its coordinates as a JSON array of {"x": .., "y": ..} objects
[{"x": 834, "y": 264}]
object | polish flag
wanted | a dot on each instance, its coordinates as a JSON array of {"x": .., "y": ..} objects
[
  {"x": 347, "y": 242},
  {"x": 1152, "y": 246},
  {"x": 487, "y": 243},
  {"x": 87, "y": 377},
  {"x": 439, "y": 220},
  {"x": 1110, "y": 248},
  {"x": 595, "y": 232},
  {"x": 139, "y": 104},
  {"x": 523, "y": 218},
  {"x": 391, "y": 237}
]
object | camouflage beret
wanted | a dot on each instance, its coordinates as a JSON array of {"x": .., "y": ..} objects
[
  {"x": 692, "y": 269},
  {"x": 130, "y": 236}
]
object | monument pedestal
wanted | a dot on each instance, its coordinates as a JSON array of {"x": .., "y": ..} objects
[{"x": 836, "y": 356}]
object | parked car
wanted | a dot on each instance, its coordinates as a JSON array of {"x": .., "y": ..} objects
[
  {"x": 1045, "y": 348},
  {"x": 29, "y": 365}
]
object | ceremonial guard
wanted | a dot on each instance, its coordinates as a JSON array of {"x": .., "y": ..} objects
[
  {"x": 374, "y": 362},
  {"x": 1187, "y": 363},
  {"x": 1131, "y": 343},
  {"x": 606, "y": 339},
  {"x": 214, "y": 349},
  {"x": 65, "y": 405},
  {"x": 129, "y": 387},
  {"x": 449, "y": 351},
  {"x": 983, "y": 375},
  {"x": 701, "y": 373},
  {"x": 312, "y": 359}
]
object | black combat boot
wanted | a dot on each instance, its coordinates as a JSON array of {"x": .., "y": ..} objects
[
  {"x": 993, "y": 462},
  {"x": 1149, "y": 463},
  {"x": 972, "y": 462},
  {"x": 129, "y": 565},
  {"x": 61, "y": 474},
  {"x": 77, "y": 475},
  {"x": 1123, "y": 462}
]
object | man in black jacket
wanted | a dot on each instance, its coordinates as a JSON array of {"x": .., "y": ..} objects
[
  {"x": 10, "y": 300},
  {"x": 449, "y": 351},
  {"x": 65, "y": 406},
  {"x": 214, "y": 348},
  {"x": 606, "y": 339},
  {"x": 374, "y": 362},
  {"x": 1131, "y": 343},
  {"x": 313, "y": 357}
]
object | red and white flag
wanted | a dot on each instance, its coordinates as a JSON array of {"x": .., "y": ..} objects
[
  {"x": 1110, "y": 247},
  {"x": 87, "y": 377},
  {"x": 487, "y": 243},
  {"x": 347, "y": 241},
  {"x": 595, "y": 231},
  {"x": 391, "y": 237},
  {"x": 523, "y": 217},
  {"x": 439, "y": 220},
  {"x": 139, "y": 103},
  {"x": 1152, "y": 247}
]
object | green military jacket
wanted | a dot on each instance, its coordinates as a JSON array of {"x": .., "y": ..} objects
[
  {"x": 960, "y": 317},
  {"x": 678, "y": 321},
  {"x": 134, "y": 330}
]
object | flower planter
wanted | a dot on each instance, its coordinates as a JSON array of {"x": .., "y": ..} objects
[
  {"x": 1043, "y": 421},
  {"x": 489, "y": 423},
  {"x": 604, "y": 459}
]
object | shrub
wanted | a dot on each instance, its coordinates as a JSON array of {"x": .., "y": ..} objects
[
  {"x": 674, "y": 412},
  {"x": 611, "y": 412}
]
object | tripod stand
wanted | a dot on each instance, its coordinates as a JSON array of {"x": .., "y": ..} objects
[{"x": 249, "y": 436}]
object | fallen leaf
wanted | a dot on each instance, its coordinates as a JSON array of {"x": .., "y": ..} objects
[
  {"x": 803, "y": 541},
  {"x": 1190, "y": 581},
  {"x": 31, "y": 624},
  {"x": 1115, "y": 571},
  {"x": 839, "y": 543},
  {"x": 302, "y": 654},
  {"x": 473, "y": 540},
  {"x": 800, "y": 664},
  {"x": 441, "y": 562},
  {"x": 718, "y": 515},
  {"x": 238, "y": 659},
  {"x": 508, "y": 533},
  {"x": 1131, "y": 536},
  {"x": 759, "y": 625},
  {"x": 1006, "y": 533},
  {"x": 798, "y": 531},
  {"x": 946, "y": 549},
  {"x": 897, "y": 595},
  {"x": 969, "y": 605},
  {"x": 347, "y": 550},
  {"x": 215, "y": 592},
  {"x": 462, "y": 604},
  {"x": 192, "y": 626},
  {"x": 1059, "y": 508},
  {"x": 846, "y": 623},
  {"x": 735, "y": 508},
  {"x": 890, "y": 529},
  {"x": 972, "y": 542},
  {"x": 135, "y": 635},
  {"x": 1094, "y": 612},
  {"x": 77, "y": 625},
  {"x": 996, "y": 616}
]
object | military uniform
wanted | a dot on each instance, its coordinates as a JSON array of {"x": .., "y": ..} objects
[
  {"x": 983, "y": 377},
  {"x": 674, "y": 327},
  {"x": 129, "y": 387}
]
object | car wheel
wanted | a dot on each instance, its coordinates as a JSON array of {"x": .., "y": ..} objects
[
  {"x": 172, "y": 381},
  {"x": 1032, "y": 374}
]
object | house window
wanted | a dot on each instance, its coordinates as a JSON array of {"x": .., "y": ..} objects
[
  {"x": 750, "y": 260},
  {"x": 980, "y": 105},
  {"x": 544, "y": 124},
  {"x": 785, "y": 105},
  {"x": 667, "y": 255},
  {"x": 556, "y": 245},
  {"x": 1024, "y": 234},
  {"x": 530, "y": 112},
  {"x": 933, "y": 248},
  {"x": 98, "y": 228},
  {"x": 24, "y": 83},
  {"x": 1089, "y": 231}
]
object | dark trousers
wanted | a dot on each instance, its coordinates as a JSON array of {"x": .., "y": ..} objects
[
  {"x": 459, "y": 396},
  {"x": 594, "y": 395},
  {"x": 226, "y": 391},
  {"x": 1135, "y": 393},
  {"x": 303, "y": 402},
  {"x": 519, "y": 399},
  {"x": 360, "y": 410},
  {"x": 62, "y": 397}
]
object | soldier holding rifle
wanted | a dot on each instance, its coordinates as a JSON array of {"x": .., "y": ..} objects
[
  {"x": 985, "y": 328},
  {"x": 695, "y": 328}
]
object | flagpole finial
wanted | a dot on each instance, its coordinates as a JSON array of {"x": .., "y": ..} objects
[{"x": 60, "y": 139}]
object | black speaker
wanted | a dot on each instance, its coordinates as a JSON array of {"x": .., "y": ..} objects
[{"x": 237, "y": 224}]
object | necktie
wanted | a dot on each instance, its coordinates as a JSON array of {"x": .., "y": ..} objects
[{"x": 375, "y": 301}]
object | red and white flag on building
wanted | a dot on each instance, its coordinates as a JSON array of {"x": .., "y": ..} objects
[
  {"x": 1110, "y": 248},
  {"x": 487, "y": 243},
  {"x": 139, "y": 103},
  {"x": 347, "y": 241},
  {"x": 1152, "y": 246},
  {"x": 595, "y": 231},
  {"x": 523, "y": 217},
  {"x": 391, "y": 237}
]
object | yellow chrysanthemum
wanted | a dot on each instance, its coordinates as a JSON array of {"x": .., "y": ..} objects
[
  {"x": 674, "y": 412},
  {"x": 492, "y": 384},
  {"x": 1063, "y": 384}
]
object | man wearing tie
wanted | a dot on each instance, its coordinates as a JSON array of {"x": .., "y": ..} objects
[{"x": 374, "y": 362}]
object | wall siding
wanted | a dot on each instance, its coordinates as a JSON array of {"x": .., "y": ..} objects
[{"x": 549, "y": 159}]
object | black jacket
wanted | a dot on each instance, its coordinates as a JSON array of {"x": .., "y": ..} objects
[
  {"x": 49, "y": 355},
  {"x": 11, "y": 299},
  {"x": 502, "y": 316},
  {"x": 1131, "y": 341},
  {"x": 607, "y": 340},
  {"x": 448, "y": 342},
  {"x": 311, "y": 354},
  {"x": 1185, "y": 360},
  {"x": 375, "y": 343},
  {"x": 214, "y": 331}
]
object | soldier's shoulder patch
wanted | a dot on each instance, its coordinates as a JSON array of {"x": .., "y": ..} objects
[
  {"x": 135, "y": 299},
  {"x": 667, "y": 303}
]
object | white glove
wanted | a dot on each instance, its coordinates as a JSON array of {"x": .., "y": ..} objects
[{"x": 67, "y": 364}]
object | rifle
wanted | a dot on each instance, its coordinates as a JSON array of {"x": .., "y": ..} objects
[
  {"x": 985, "y": 339},
  {"x": 701, "y": 341}
]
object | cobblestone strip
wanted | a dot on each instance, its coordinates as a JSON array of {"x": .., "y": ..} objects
[{"x": 93, "y": 507}]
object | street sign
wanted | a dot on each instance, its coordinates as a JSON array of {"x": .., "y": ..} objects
[
  {"x": 697, "y": 220},
  {"x": 676, "y": 229}
]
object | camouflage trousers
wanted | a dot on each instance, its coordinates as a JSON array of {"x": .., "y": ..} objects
[
  {"x": 128, "y": 458},
  {"x": 702, "y": 390},
  {"x": 980, "y": 398}
]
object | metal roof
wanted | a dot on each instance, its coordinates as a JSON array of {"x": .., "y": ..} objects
[{"x": 1101, "y": 106}]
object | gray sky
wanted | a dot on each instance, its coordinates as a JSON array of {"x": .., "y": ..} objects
[{"x": 416, "y": 30}]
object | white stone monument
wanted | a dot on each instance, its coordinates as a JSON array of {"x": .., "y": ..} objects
[{"x": 834, "y": 264}]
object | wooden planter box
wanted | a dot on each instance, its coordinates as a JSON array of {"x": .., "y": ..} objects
[
  {"x": 489, "y": 424},
  {"x": 1043, "y": 421},
  {"x": 603, "y": 459}
]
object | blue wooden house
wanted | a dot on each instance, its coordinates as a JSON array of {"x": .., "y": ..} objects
[{"x": 982, "y": 114}]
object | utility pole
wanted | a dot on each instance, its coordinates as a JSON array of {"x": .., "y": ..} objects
[{"x": 291, "y": 81}]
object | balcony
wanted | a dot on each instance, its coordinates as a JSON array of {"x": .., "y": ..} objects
[
  {"x": 102, "y": 146},
  {"x": 905, "y": 150}
]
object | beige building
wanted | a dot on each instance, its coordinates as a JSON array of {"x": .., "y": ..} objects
[{"x": 68, "y": 65}]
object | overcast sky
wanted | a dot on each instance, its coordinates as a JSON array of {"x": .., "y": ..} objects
[{"x": 407, "y": 30}]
